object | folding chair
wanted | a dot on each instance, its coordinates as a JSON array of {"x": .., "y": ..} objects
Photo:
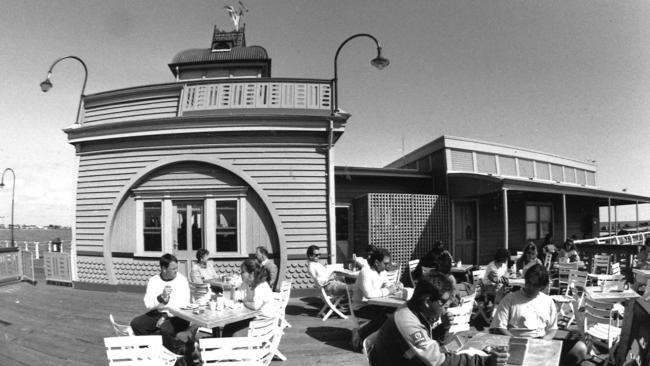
[
  {"x": 573, "y": 295},
  {"x": 615, "y": 268},
  {"x": 548, "y": 259},
  {"x": 332, "y": 305},
  {"x": 120, "y": 330},
  {"x": 601, "y": 262},
  {"x": 598, "y": 324},
  {"x": 235, "y": 351},
  {"x": 412, "y": 265},
  {"x": 368, "y": 345},
  {"x": 461, "y": 314},
  {"x": 270, "y": 329},
  {"x": 562, "y": 277},
  {"x": 138, "y": 350},
  {"x": 282, "y": 298},
  {"x": 200, "y": 293},
  {"x": 392, "y": 277}
]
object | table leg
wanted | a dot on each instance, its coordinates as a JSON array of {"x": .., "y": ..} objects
[{"x": 216, "y": 332}]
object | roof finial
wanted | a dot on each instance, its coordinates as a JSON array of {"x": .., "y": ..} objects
[{"x": 236, "y": 15}]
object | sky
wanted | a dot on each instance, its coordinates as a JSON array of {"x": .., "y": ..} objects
[{"x": 568, "y": 77}]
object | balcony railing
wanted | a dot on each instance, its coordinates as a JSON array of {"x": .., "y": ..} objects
[
  {"x": 200, "y": 97},
  {"x": 247, "y": 94}
]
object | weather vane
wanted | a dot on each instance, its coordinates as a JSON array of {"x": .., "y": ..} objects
[{"x": 236, "y": 15}]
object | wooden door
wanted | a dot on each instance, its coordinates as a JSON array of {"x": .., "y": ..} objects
[
  {"x": 465, "y": 231},
  {"x": 187, "y": 233}
]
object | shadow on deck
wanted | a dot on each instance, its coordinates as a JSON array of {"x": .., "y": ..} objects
[{"x": 54, "y": 325}]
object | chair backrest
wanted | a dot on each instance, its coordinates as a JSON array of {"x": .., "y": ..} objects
[
  {"x": 200, "y": 293},
  {"x": 392, "y": 277},
  {"x": 600, "y": 313},
  {"x": 120, "y": 330},
  {"x": 137, "y": 350},
  {"x": 578, "y": 278},
  {"x": 615, "y": 268},
  {"x": 283, "y": 295},
  {"x": 461, "y": 314},
  {"x": 600, "y": 262},
  {"x": 368, "y": 344},
  {"x": 477, "y": 277},
  {"x": 235, "y": 351},
  {"x": 547, "y": 261},
  {"x": 412, "y": 265}
]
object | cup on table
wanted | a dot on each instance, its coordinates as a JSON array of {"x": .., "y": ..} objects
[
  {"x": 219, "y": 303},
  {"x": 213, "y": 305}
]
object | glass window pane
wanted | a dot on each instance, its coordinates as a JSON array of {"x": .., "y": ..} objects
[
  {"x": 342, "y": 229},
  {"x": 544, "y": 228},
  {"x": 197, "y": 227},
  {"x": 152, "y": 231},
  {"x": 181, "y": 226},
  {"x": 531, "y": 231},
  {"x": 531, "y": 213},
  {"x": 544, "y": 213},
  {"x": 227, "y": 230}
]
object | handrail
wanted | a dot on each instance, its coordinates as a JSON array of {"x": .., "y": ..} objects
[{"x": 633, "y": 239}]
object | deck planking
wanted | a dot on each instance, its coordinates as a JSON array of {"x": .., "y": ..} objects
[{"x": 56, "y": 325}]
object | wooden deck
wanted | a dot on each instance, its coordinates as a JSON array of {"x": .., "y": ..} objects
[{"x": 55, "y": 325}]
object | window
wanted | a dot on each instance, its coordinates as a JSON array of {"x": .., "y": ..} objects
[
  {"x": 188, "y": 220},
  {"x": 538, "y": 221},
  {"x": 152, "y": 230},
  {"x": 227, "y": 229}
]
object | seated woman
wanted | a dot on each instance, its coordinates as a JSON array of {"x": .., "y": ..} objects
[
  {"x": 203, "y": 271},
  {"x": 495, "y": 280},
  {"x": 569, "y": 253},
  {"x": 643, "y": 258},
  {"x": 259, "y": 296},
  {"x": 529, "y": 258}
]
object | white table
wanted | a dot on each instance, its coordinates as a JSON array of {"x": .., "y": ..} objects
[
  {"x": 215, "y": 319},
  {"x": 540, "y": 352},
  {"x": 391, "y": 301},
  {"x": 594, "y": 293},
  {"x": 641, "y": 276}
]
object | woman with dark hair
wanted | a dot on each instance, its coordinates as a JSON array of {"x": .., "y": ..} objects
[
  {"x": 203, "y": 270},
  {"x": 258, "y": 296},
  {"x": 529, "y": 258},
  {"x": 569, "y": 252}
]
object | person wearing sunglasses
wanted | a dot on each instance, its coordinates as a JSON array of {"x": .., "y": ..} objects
[
  {"x": 407, "y": 338},
  {"x": 322, "y": 276}
]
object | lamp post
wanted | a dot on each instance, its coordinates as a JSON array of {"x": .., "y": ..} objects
[
  {"x": 13, "y": 191},
  {"x": 379, "y": 62},
  {"x": 46, "y": 85}
]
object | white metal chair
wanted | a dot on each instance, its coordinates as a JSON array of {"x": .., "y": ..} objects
[
  {"x": 200, "y": 293},
  {"x": 615, "y": 268},
  {"x": 601, "y": 323},
  {"x": 461, "y": 314},
  {"x": 412, "y": 265},
  {"x": 332, "y": 305},
  {"x": 138, "y": 350},
  {"x": 282, "y": 298},
  {"x": 561, "y": 281},
  {"x": 368, "y": 344},
  {"x": 573, "y": 295},
  {"x": 120, "y": 330},
  {"x": 392, "y": 277},
  {"x": 269, "y": 329},
  {"x": 548, "y": 259},
  {"x": 600, "y": 262},
  {"x": 236, "y": 351}
]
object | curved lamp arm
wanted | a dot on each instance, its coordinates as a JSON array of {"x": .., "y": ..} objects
[
  {"x": 46, "y": 85},
  {"x": 379, "y": 62},
  {"x": 13, "y": 192}
]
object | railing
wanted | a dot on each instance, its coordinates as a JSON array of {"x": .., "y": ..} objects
[
  {"x": 633, "y": 239},
  {"x": 256, "y": 94},
  {"x": 38, "y": 248},
  {"x": 170, "y": 100}
]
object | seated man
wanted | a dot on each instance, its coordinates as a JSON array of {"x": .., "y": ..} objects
[
  {"x": 371, "y": 283},
  {"x": 531, "y": 313},
  {"x": 165, "y": 290},
  {"x": 407, "y": 339},
  {"x": 262, "y": 256},
  {"x": 322, "y": 276}
]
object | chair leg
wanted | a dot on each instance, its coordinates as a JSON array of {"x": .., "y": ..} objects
[{"x": 279, "y": 355}]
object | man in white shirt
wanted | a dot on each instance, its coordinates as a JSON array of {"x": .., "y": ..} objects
[
  {"x": 322, "y": 276},
  {"x": 531, "y": 313},
  {"x": 371, "y": 283},
  {"x": 169, "y": 289}
]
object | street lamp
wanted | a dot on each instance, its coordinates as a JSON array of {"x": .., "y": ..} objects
[
  {"x": 379, "y": 62},
  {"x": 13, "y": 191},
  {"x": 46, "y": 85}
]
